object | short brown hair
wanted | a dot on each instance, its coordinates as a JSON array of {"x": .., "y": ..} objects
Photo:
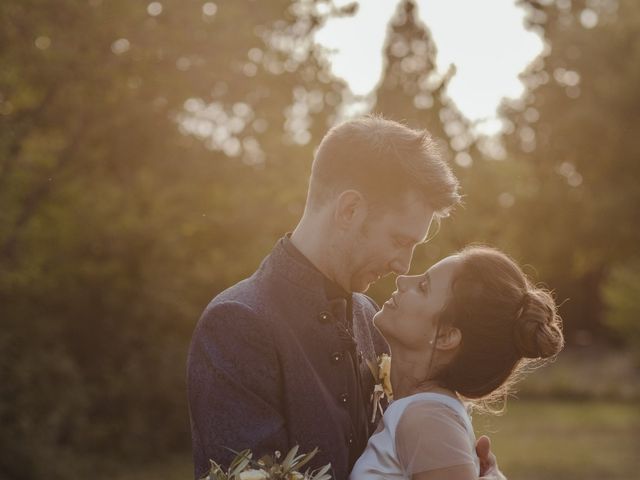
[
  {"x": 382, "y": 159},
  {"x": 506, "y": 322}
]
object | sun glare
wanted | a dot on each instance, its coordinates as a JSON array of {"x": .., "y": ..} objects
[{"x": 486, "y": 41}]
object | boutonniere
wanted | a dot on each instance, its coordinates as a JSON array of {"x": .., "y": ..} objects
[{"x": 381, "y": 372}]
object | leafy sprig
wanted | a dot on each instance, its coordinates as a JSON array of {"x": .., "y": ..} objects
[{"x": 244, "y": 467}]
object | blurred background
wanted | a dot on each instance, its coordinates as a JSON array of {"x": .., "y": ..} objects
[{"x": 151, "y": 153}]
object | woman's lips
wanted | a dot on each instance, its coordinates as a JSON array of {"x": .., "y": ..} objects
[{"x": 392, "y": 302}]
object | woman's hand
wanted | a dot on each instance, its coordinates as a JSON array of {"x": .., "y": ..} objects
[{"x": 488, "y": 463}]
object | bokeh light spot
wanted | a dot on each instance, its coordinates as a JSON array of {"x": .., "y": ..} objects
[
  {"x": 183, "y": 64},
  {"x": 154, "y": 9},
  {"x": 43, "y": 42},
  {"x": 463, "y": 159},
  {"x": 506, "y": 200},
  {"x": 255, "y": 55},
  {"x": 120, "y": 46},
  {"x": 588, "y": 18},
  {"x": 209, "y": 9}
]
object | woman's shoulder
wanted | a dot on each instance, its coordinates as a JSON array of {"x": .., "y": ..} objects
[
  {"x": 428, "y": 409},
  {"x": 429, "y": 401}
]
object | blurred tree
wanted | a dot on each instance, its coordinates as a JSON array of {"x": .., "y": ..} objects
[
  {"x": 150, "y": 154},
  {"x": 622, "y": 301},
  {"x": 574, "y": 134},
  {"x": 412, "y": 90}
]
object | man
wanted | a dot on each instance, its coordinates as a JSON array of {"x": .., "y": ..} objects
[{"x": 279, "y": 359}]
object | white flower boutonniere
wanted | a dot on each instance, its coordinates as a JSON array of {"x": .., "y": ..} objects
[{"x": 382, "y": 376}]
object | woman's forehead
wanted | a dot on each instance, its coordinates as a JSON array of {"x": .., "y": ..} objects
[{"x": 444, "y": 268}]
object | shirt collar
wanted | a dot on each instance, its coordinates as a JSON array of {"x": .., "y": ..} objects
[{"x": 331, "y": 289}]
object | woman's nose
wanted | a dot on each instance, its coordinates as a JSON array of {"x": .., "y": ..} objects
[{"x": 401, "y": 282}]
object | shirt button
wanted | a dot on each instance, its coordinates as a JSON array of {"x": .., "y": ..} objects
[
  {"x": 325, "y": 317},
  {"x": 344, "y": 398},
  {"x": 336, "y": 357}
]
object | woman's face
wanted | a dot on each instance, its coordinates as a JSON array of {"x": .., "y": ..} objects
[{"x": 409, "y": 317}]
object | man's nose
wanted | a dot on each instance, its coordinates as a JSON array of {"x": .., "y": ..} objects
[{"x": 401, "y": 264}]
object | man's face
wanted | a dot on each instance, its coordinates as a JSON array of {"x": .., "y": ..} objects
[{"x": 385, "y": 242}]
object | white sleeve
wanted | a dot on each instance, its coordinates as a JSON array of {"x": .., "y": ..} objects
[{"x": 430, "y": 436}]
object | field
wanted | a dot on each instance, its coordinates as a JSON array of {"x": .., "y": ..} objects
[
  {"x": 581, "y": 440},
  {"x": 566, "y": 440}
]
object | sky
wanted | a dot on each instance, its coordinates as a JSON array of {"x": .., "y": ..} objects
[{"x": 485, "y": 40}]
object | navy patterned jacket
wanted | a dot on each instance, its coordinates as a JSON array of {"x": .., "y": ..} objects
[{"x": 269, "y": 369}]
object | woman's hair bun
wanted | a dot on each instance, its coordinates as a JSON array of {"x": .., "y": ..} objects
[{"x": 537, "y": 329}]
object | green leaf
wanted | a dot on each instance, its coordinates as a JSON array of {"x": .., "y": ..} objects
[
  {"x": 322, "y": 473},
  {"x": 240, "y": 462},
  {"x": 288, "y": 460},
  {"x": 304, "y": 459}
]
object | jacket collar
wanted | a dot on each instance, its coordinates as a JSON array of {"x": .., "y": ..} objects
[{"x": 286, "y": 260}]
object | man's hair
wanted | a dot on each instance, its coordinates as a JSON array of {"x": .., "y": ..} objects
[{"x": 383, "y": 160}]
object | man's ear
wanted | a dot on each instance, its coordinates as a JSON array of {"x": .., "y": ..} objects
[
  {"x": 351, "y": 209},
  {"x": 449, "y": 339}
]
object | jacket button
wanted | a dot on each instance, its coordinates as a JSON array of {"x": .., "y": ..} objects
[
  {"x": 325, "y": 317},
  {"x": 344, "y": 398},
  {"x": 336, "y": 357},
  {"x": 350, "y": 439}
]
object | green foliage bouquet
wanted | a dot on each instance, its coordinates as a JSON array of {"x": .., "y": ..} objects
[{"x": 243, "y": 467}]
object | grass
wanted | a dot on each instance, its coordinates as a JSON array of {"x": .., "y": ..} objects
[
  {"x": 566, "y": 439},
  {"x": 588, "y": 373},
  {"x": 176, "y": 467},
  {"x": 578, "y": 418},
  {"x": 535, "y": 439}
]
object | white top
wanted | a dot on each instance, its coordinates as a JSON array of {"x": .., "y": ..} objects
[{"x": 419, "y": 433}]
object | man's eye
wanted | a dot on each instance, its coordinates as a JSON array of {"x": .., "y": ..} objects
[{"x": 403, "y": 243}]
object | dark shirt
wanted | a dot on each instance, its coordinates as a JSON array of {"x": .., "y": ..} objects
[
  {"x": 331, "y": 289},
  {"x": 268, "y": 368},
  {"x": 358, "y": 411}
]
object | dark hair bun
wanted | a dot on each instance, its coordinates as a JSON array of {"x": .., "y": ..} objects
[{"x": 537, "y": 329}]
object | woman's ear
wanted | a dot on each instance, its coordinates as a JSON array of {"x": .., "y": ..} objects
[
  {"x": 449, "y": 339},
  {"x": 351, "y": 209}
]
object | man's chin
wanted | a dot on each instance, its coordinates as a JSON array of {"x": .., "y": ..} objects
[{"x": 361, "y": 285}]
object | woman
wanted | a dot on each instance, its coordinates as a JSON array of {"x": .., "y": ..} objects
[{"x": 461, "y": 332}]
